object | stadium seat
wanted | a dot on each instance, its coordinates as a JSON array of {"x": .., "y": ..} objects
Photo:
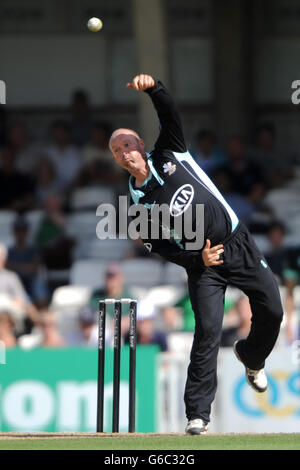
[
  {"x": 180, "y": 341},
  {"x": 66, "y": 296},
  {"x": 163, "y": 296},
  {"x": 173, "y": 274},
  {"x": 142, "y": 272},
  {"x": 91, "y": 197},
  {"x": 110, "y": 250},
  {"x": 262, "y": 242},
  {"x": 233, "y": 294},
  {"x": 88, "y": 273},
  {"x": 6, "y": 221},
  {"x": 82, "y": 225},
  {"x": 294, "y": 223},
  {"x": 138, "y": 292},
  {"x": 34, "y": 219},
  {"x": 285, "y": 204},
  {"x": 292, "y": 240},
  {"x": 67, "y": 301}
]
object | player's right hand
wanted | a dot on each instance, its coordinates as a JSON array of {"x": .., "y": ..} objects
[
  {"x": 141, "y": 82},
  {"x": 211, "y": 256}
]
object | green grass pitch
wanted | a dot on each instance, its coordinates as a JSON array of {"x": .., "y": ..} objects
[{"x": 151, "y": 442}]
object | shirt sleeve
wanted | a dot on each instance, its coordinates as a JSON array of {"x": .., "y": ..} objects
[
  {"x": 172, "y": 252},
  {"x": 171, "y": 132}
]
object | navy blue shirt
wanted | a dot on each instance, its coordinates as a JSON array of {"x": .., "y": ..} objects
[{"x": 177, "y": 180}]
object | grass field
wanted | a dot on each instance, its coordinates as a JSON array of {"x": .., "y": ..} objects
[{"x": 153, "y": 442}]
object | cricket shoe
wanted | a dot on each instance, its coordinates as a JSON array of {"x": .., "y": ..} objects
[
  {"x": 257, "y": 379},
  {"x": 196, "y": 427}
]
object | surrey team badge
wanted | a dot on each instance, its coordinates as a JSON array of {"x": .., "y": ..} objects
[{"x": 169, "y": 168}]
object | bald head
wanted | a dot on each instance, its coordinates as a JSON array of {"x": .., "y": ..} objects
[
  {"x": 128, "y": 151},
  {"x": 119, "y": 132}
]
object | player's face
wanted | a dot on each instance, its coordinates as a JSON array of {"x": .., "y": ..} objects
[{"x": 128, "y": 151}]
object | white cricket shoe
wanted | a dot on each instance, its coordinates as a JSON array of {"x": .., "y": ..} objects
[
  {"x": 196, "y": 427},
  {"x": 257, "y": 379}
]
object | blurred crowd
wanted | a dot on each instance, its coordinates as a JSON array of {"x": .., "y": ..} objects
[{"x": 44, "y": 175}]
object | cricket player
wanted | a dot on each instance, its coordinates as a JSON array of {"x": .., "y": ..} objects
[{"x": 169, "y": 175}]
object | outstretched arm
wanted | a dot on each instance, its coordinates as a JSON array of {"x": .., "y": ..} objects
[
  {"x": 169, "y": 250},
  {"x": 171, "y": 133}
]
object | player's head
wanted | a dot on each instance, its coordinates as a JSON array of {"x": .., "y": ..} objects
[{"x": 128, "y": 149}]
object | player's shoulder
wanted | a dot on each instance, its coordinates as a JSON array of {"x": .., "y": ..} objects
[
  {"x": 163, "y": 161},
  {"x": 160, "y": 156}
]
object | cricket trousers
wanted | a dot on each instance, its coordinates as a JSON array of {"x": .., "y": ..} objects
[{"x": 245, "y": 268}]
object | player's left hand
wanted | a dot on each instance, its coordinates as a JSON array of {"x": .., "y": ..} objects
[
  {"x": 211, "y": 256},
  {"x": 141, "y": 82}
]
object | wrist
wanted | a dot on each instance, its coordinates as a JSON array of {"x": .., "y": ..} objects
[{"x": 151, "y": 88}]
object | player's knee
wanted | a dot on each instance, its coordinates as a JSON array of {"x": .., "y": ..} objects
[
  {"x": 206, "y": 341},
  {"x": 276, "y": 315}
]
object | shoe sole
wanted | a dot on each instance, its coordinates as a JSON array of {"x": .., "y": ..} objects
[
  {"x": 247, "y": 378},
  {"x": 191, "y": 433}
]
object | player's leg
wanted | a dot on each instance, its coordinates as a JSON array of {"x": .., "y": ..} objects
[
  {"x": 260, "y": 286},
  {"x": 207, "y": 298},
  {"x": 250, "y": 272}
]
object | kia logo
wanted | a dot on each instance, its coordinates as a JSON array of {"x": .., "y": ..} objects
[{"x": 181, "y": 200}]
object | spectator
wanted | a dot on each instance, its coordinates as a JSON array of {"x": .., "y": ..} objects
[
  {"x": 114, "y": 288},
  {"x": 64, "y": 156},
  {"x": 180, "y": 316},
  {"x": 81, "y": 124},
  {"x": 50, "y": 334},
  {"x": 27, "y": 154},
  {"x": 276, "y": 256},
  {"x": 266, "y": 156},
  {"x": 46, "y": 181},
  {"x": 206, "y": 153},
  {"x": 17, "y": 189},
  {"x": 7, "y": 324},
  {"x": 25, "y": 260},
  {"x": 11, "y": 288},
  {"x": 245, "y": 177},
  {"x": 97, "y": 159},
  {"x": 87, "y": 335},
  {"x": 241, "y": 330},
  {"x": 146, "y": 331},
  {"x": 51, "y": 237},
  {"x": 46, "y": 333},
  {"x": 292, "y": 280},
  {"x": 97, "y": 147},
  {"x": 243, "y": 208},
  {"x": 10, "y": 283}
]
